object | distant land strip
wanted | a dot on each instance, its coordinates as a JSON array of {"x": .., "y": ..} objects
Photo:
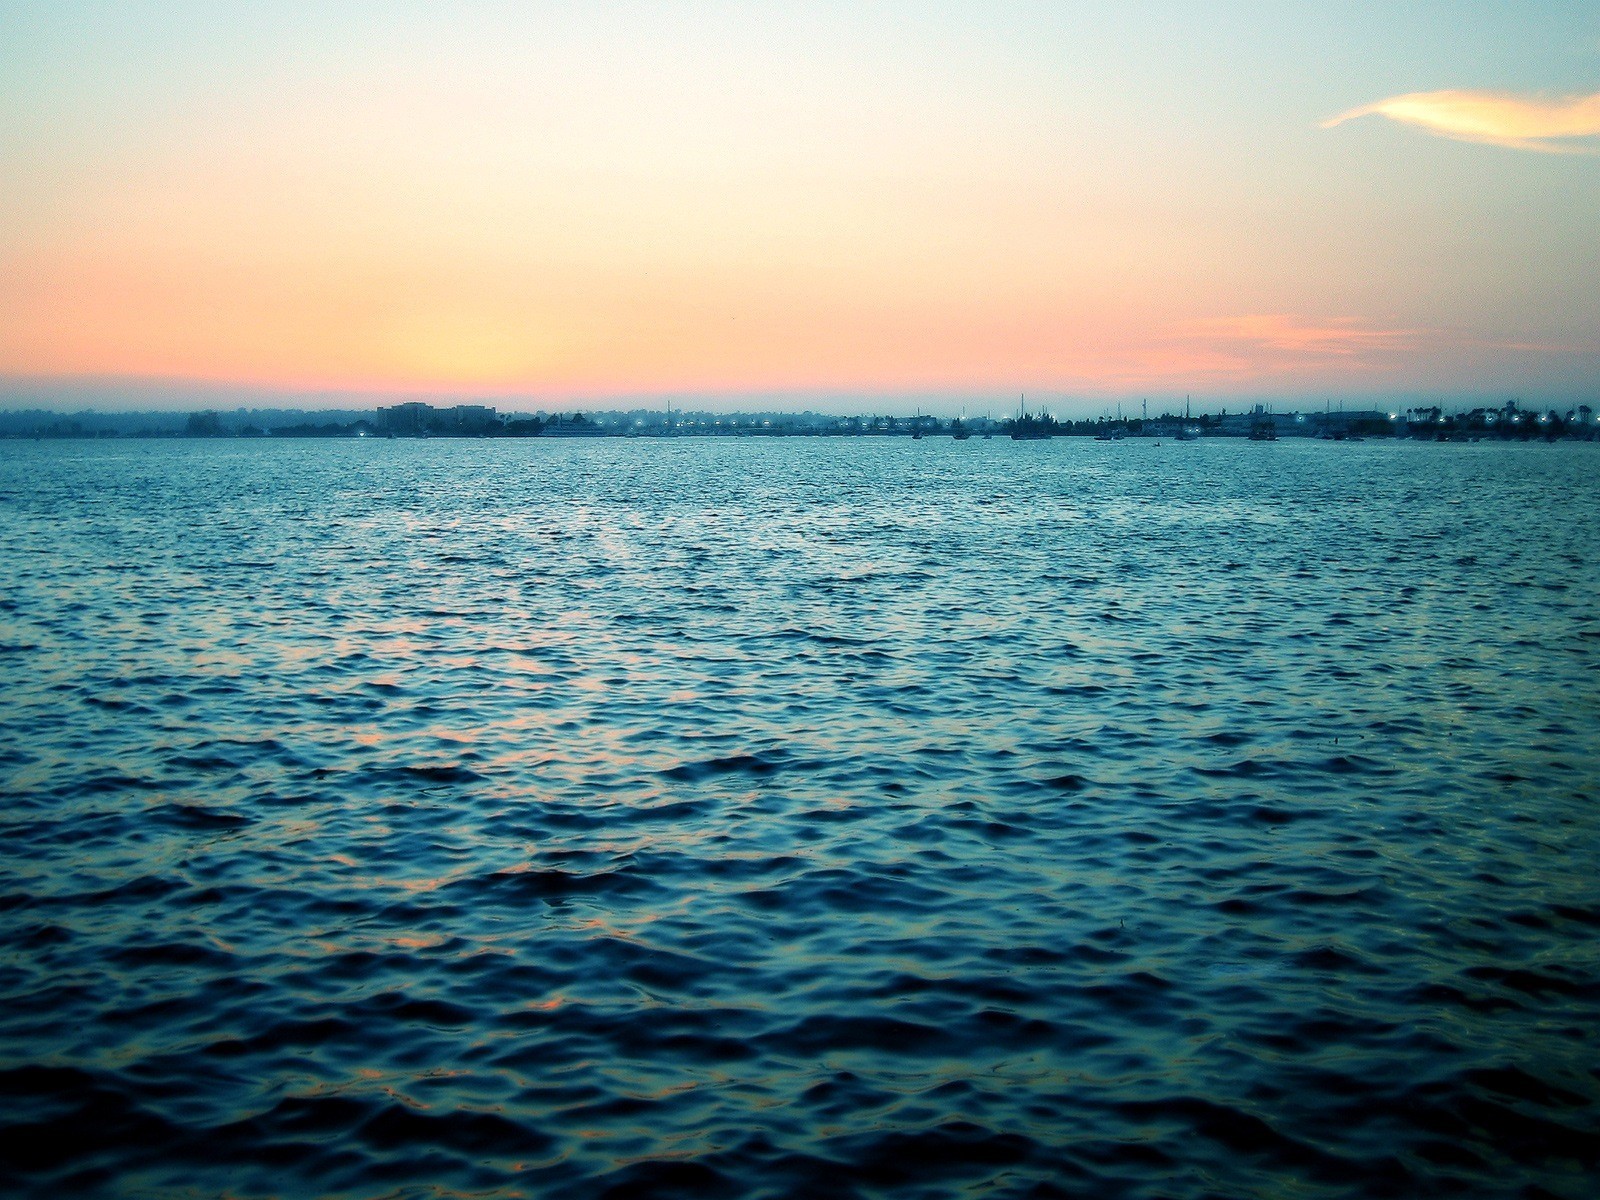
[{"x": 1510, "y": 421}]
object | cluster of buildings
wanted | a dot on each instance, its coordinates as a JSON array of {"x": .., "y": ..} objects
[
  {"x": 417, "y": 419},
  {"x": 1509, "y": 421}
]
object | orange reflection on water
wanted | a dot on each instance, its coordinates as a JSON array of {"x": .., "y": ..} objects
[
  {"x": 413, "y": 942},
  {"x": 425, "y": 885},
  {"x": 606, "y": 927},
  {"x": 409, "y": 1101}
]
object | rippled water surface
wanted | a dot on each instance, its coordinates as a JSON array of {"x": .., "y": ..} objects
[{"x": 799, "y": 818}]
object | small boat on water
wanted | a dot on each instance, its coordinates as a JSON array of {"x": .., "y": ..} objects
[{"x": 959, "y": 430}]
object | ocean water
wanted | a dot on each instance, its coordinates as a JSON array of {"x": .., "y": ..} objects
[{"x": 799, "y": 818}]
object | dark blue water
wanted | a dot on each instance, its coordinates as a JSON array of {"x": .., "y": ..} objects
[{"x": 780, "y": 818}]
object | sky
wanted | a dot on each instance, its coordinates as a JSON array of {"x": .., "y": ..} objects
[{"x": 839, "y": 206}]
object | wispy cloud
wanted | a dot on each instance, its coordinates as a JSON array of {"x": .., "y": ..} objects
[
  {"x": 1342, "y": 337},
  {"x": 1257, "y": 347},
  {"x": 1498, "y": 118}
]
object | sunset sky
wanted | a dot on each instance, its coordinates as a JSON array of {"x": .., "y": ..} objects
[{"x": 830, "y": 205}]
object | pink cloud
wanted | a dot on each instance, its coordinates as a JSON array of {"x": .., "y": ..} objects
[{"x": 1331, "y": 337}]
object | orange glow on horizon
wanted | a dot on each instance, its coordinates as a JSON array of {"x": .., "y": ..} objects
[
  {"x": 266, "y": 267},
  {"x": 385, "y": 335},
  {"x": 555, "y": 204}
]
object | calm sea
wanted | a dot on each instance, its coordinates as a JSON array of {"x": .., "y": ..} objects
[{"x": 799, "y": 818}]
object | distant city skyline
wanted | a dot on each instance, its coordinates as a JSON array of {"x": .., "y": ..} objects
[{"x": 836, "y": 207}]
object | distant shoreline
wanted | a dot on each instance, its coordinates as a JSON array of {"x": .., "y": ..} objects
[{"x": 419, "y": 421}]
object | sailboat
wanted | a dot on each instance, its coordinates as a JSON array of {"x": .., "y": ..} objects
[{"x": 1186, "y": 432}]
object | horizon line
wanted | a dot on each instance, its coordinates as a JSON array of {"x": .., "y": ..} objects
[{"x": 130, "y": 394}]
